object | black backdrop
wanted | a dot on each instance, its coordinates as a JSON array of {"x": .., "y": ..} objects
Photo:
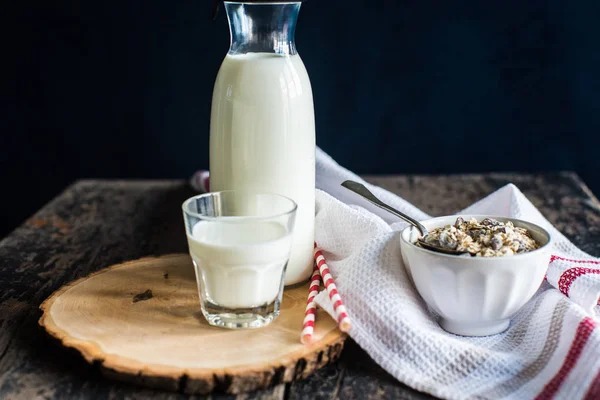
[{"x": 123, "y": 88}]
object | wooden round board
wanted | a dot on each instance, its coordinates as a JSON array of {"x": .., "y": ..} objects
[{"x": 164, "y": 341}]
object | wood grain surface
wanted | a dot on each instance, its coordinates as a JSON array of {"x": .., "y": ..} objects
[
  {"x": 141, "y": 322},
  {"x": 95, "y": 224}
]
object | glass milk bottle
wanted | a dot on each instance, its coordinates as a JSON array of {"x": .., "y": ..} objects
[{"x": 262, "y": 129}]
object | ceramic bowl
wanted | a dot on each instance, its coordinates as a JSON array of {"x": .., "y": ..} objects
[{"x": 475, "y": 296}]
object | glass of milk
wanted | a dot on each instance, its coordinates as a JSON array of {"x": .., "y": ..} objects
[{"x": 240, "y": 243}]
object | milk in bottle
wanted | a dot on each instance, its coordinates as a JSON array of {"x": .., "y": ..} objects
[{"x": 262, "y": 131}]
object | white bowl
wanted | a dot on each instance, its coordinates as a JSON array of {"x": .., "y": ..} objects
[{"x": 475, "y": 296}]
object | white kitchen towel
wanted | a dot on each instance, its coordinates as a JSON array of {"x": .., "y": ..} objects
[{"x": 551, "y": 349}]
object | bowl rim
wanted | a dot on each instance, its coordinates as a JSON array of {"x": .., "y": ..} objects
[{"x": 521, "y": 256}]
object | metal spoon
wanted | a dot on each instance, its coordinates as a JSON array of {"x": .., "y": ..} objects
[{"x": 361, "y": 190}]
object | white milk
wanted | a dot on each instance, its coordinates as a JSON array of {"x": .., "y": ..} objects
[
  {"x": 262, "y": 138},
  {"x": 239, "y": 265}
]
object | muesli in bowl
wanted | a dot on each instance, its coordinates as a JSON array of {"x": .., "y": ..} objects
[
  {"x": 488, "y": 238},
  {"x": 476, "y": 294}
]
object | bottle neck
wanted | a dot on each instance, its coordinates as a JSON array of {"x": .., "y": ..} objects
[{"x": 262, "y": 27}]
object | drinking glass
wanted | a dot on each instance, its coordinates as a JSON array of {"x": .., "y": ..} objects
[{"x": 240, "y": 243}]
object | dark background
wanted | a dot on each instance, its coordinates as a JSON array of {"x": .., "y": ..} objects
[{"x": 122, "y": 89}]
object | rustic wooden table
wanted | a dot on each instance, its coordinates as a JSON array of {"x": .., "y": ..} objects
[{"x": 94, "y": 224}]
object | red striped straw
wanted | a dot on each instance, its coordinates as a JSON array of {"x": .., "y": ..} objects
[
  {"x": 338, "y": 305},
  {"x": 311, "y": 307}
]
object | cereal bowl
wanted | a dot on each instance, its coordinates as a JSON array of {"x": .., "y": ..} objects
[{"x": 475, "y": 296}]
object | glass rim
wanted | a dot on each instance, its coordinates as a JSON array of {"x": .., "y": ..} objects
[{"x": 238, "y": 218}]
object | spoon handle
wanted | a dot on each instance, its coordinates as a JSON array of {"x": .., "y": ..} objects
[{"x": 360, "y": 189}]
